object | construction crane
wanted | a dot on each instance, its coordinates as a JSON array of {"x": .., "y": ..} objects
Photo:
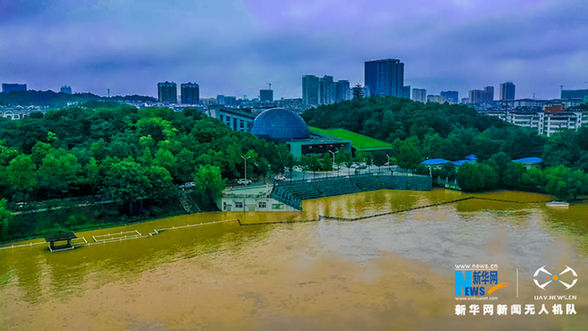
[{"x": 270, "y": 85}]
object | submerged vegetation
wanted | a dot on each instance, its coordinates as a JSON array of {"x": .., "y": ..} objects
[{"x": 115, "y": 152}]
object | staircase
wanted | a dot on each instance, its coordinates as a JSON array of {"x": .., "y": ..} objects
[{"x": 189, "y": 205}]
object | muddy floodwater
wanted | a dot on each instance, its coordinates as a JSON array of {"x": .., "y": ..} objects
[{"x": 393, "y": 272}]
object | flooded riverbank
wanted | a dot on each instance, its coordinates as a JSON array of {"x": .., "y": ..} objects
[{"x": 389, "y": 272}]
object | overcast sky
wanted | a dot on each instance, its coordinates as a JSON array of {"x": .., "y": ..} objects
[{"x": 236, "y": 47}]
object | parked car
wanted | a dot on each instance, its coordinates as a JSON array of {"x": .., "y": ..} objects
[
  {"x": 362, "y": 166},
  {"x": 244, "y": 181},
  {"x": 279, "y": 178},
  {"x": 187, "y": 185},
  {"x": 353, "y": 166},
  {"x": 22, "y": 205}
]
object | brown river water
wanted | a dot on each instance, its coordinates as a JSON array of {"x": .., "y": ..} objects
[{"x": 393, "y": 272}]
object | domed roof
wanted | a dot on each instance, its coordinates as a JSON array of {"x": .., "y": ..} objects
[{"x": 279, "y": 124}]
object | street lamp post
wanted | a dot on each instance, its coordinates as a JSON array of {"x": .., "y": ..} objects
[
  {"x": 333, "y": 153},
  {"x": 245, "y": 158}
]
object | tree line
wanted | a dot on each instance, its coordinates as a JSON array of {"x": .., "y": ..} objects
[
  {"x": 54, "y": 99},
  {"x": 420, "y": 131},
  {"x": 127, "y": 155}
]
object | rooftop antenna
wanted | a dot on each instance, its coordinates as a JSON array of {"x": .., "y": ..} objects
[{"x": 270, "y": 85}]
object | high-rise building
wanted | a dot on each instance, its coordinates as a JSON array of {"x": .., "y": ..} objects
[
  {"x": 489, "y": 93},
  {"x": 230, "y": 100},
  {"x": 190, "y": 93},
  {"x": 507, "y": 91},
  {"x": 266, "y": 95},
  {"x": 419, "y": 95},
  {"x": 342, "y": 90},
  {"x": 434, "y": 98},
  {"x": 478, "y": 96},
  {"x": 327, "y": 90},
  {"x": 65, "y": 89},
  {"x": 310, "y": 90},
  {"x": 450, "y": 96},
  {"x": 7, "y": 88},
  {"x": 167, "y": 92},
  {"x": 385, "y": 77},
  {"x": 406, "y": 92},
  {"x": 573, "y": 94},
  {"x": 220, "y": 99}
]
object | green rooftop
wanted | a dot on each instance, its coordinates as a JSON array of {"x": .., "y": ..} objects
[{"x": 358, "y": 141}]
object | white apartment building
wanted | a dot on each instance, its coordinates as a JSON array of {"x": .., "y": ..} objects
[{"x": 545, "y": 123}]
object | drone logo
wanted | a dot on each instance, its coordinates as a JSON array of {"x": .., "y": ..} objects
[{"x": 555, "y": 277}]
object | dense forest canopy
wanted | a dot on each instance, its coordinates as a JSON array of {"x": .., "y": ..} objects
[
  {"x": 420, "y": 131},
  {"x": 87, "y": 148},
  {"x": 449, "y": 131}
]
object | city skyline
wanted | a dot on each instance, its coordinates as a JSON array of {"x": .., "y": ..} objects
[{"x": 457, "y": 46}]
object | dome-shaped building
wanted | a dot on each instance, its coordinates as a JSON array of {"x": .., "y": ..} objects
[{"x": 280, "y": 125}]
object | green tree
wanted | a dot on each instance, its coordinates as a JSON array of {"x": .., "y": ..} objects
[
  {"x": 22, "y": 173},
  {"x": 471, "y": 177},
  {"x": 160, "y": 186},
  {"x": 126, "y": 181},
  {"x": 166, "y": 159},
  {"x": 304, "y": 164},
  {"x": 564, "y": 183},
  {"x": 59, "y": 170},
  {"x": 146, "y": 158},
  {"x": 262, "y": 168},
  {"x": 186, "y": 165},
  {"x": 347, "y": 159},
  {"x": 93, "y": 174},
  {"x": 314, "y": 164},
  {"x": 513, "y": 175},
  {"x": 408, "y": 155},
  {"x": 531, "y": 180},
  {"x": 6, "y": 222},
  {"x": 208, "y": 184}
]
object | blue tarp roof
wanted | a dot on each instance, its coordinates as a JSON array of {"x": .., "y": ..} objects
[
  {"x": 433, "y": 162},
  {"x": 471, "y": 157},
  {"x": 529, "y": 160},
  {"x": 460, "y": 162}
]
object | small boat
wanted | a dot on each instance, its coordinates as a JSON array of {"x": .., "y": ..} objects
[{"x": 561, "y": 204}]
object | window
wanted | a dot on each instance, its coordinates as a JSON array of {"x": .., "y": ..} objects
[
  {"x": 262, "y": 204},
  {"x": 238, "y": 204},
  {"x": 278, "y": 206}
]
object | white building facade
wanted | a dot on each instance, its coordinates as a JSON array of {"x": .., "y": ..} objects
[{"x": 545, "y": 123}]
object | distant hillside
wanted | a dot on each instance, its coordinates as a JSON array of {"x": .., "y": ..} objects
[
  {"x": 437, "y": 130},
  {"x": 53, "y": 99}
]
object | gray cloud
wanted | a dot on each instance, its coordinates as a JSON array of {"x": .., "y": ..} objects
[{"x": 236, "y": 47}]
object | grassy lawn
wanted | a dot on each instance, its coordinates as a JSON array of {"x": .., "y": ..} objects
[{"x": 358, "y": 141}]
